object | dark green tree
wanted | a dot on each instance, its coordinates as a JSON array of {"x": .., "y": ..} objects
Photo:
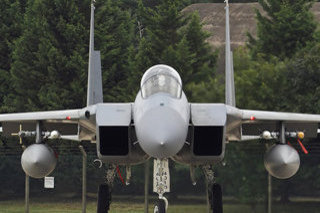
[
  {"x": 11, "y": 18},
  {"x": 287, "y": 27},
  {"x": 303, "y": 83},
  {"x": 50, "y": 58},
  {"x": 245, "y": 162},
  {"x": 203, "y": 57},
  {"x": 259, "y": 82},
  {"x": 162, "y": 25},
  {"x": 114, "y": 37},
  {"x": 171, "y": 38}
]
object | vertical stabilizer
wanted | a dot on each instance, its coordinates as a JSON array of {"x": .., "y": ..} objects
[
  {"x": 230, "y": 90},
  {"x": 94, "y": 93}
]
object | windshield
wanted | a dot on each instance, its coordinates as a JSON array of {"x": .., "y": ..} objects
[{"x": 161, "y": 78}]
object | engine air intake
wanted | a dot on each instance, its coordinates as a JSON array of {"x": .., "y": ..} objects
[
  {"x": 114, "y": 140},
  {"x": 208, "y": 140}
]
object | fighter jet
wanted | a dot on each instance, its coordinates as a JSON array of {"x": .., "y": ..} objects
[{"x": 162, "y": 124}]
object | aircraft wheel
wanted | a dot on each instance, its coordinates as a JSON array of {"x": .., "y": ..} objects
[
  {"x": 216, "y": 199},
  {"x": 160, "y": 207},
  {"x": 104, "y": 199}
]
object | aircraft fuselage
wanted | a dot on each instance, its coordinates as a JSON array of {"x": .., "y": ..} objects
[
  {"x": 161, "y": 124},
  {"x": 161, "y": 119}
]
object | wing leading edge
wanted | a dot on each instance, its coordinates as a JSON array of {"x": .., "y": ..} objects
[
  {"x": 63, "y": 116},
  {"x": 256, "y": 121},
  {"x": 66, "y": 121},
  {"x": 262, "y": 116}
]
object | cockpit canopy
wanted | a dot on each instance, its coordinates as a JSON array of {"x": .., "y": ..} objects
[{"x": 161, "y": 78}]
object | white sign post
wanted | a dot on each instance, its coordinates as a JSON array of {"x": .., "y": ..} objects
[{"x": 49, "y": 182}]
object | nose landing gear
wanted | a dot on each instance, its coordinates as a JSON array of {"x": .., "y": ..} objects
[
  {"x": 161, "y": 205},
  {"x": 161, "y": 184}
]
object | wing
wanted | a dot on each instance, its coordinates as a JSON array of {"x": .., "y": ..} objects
[
  {"x": 53, "y": 116},
  {"x": 65, "y": 121},
  {"x": 260, "y": 116},
  {"x": 77, "y": 124},
  {"x": 249, "y": 124},
  {"x": 255, "y": 121}
]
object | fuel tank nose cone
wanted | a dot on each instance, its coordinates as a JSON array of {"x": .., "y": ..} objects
[
  {"x": 38, "y": 160},
  {"x": 282, "y": 161}
]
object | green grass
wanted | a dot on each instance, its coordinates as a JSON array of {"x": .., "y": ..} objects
[{"x": 127, "y": 207}]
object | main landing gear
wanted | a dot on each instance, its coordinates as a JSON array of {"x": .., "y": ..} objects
[
  {"x": 104, "y": 199},
  {"x": 104, "y": 193},
  {"x": 161, "y": 184},
  {"x": 214, "y": 191},
  {"x": 216, "y": 198}
]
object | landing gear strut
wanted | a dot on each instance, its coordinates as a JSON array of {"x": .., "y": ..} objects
[
  {"x": 161, "y": 184},
  {"x": 214, "y": 191},
  {"x": 104, "y": 199},
  {"x": 216, "y": 198},
  {"x": 104, "y": 193}
]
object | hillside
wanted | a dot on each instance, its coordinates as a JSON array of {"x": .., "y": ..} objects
[{"x": 242, "y": 20}]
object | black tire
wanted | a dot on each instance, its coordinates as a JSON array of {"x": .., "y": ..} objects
[
  {"x": 104, "y": 199},
  {"x": 160, "y": 207},
  {"x": 216, "y": 199}
]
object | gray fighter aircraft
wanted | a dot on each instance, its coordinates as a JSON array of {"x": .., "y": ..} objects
[{"x": 161, "y": 124}]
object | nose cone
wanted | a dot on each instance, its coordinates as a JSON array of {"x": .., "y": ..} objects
[
  {"x": 161, "y": 132},
  {"x": 282, "y": 161}
]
